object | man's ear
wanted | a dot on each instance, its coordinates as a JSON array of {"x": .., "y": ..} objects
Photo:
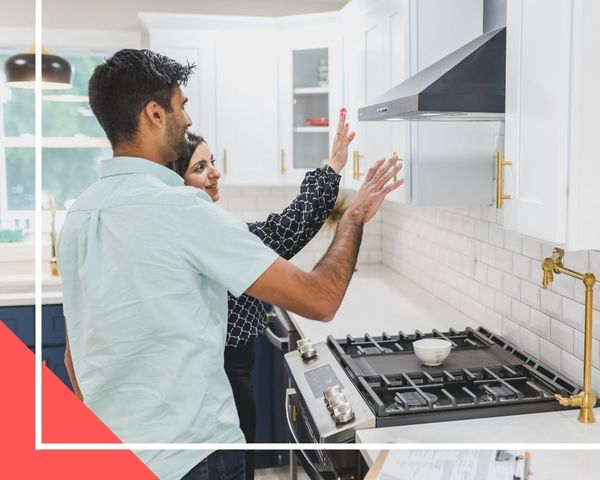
[{"x": 154, "y": 114}]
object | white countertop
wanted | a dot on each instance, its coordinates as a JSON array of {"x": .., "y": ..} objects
[
  {"x": 19, "y": 290},
  {"x": 549, "y": 427},
  {"x": 379, "y": 299},
  {"x": 549, "y": 464}
]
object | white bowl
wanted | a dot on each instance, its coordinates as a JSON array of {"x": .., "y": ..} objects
[{"x": 432, "y": 351}]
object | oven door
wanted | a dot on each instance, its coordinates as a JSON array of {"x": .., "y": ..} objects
[{"x": 319, "y": 464}]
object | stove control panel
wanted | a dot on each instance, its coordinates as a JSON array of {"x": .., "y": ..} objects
[{"x": 328, "y": 399}]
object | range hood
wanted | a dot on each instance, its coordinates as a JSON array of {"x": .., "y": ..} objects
[{"x": 467, "y": 85}]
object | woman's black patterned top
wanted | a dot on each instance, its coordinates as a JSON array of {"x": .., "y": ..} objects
[{"x": 286, "y": 233}]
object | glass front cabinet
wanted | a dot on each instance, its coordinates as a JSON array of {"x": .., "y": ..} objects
[{"x": 310, "y": 94}]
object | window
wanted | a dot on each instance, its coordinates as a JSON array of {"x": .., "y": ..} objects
[{"x": 73, "y": 143}]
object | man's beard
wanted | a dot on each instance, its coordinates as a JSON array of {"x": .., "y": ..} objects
[{"x": 176, "y": 140}]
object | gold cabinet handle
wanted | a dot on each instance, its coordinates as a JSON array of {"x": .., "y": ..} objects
[
  {"x": 224, "y": 161},
  {"x": 396, "y": 175},
  {"x": 283, "y": 155},
  {"x": 356, "y": 156},
  {"x": 500, "y": 164}
]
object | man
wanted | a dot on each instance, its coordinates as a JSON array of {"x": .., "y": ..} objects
[{"x": 147, "y": 263}]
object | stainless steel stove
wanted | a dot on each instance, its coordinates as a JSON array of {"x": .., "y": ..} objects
[{"x": 343, "y": 385}]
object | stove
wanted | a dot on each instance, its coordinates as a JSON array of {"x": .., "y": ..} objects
[{"x": 379, "y": 382}]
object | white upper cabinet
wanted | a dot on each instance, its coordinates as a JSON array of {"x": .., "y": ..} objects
[
  {"x": 246, "y": 106},
  {"x": 310, "y": 91},
  {"x": 552, "y": 105},
  {"x": 233, "y": 93},
  {"x": 366, "y": 76}
]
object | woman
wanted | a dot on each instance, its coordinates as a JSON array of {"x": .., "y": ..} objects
[{"x": 286, "y": 233}]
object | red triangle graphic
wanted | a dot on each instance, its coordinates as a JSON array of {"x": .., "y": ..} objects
[{"x": 65, "y": 420}]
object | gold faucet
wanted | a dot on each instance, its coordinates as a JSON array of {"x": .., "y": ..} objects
[
  {"x": 586, "y": 399},
  {"x": 53, "y": 263}
]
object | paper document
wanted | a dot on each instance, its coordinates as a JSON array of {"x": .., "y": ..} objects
[{"x": 454, "y": 465}]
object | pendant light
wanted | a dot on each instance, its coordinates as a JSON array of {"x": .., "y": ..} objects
[{"x": 20, "y": 71}]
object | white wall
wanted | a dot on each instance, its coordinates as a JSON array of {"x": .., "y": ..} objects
[{"x": 466, "y": 257}]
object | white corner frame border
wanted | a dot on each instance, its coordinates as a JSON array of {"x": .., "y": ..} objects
[{"x": 39, "y": 445}]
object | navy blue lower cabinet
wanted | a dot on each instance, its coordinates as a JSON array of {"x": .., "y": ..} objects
[
  {"x": 21, "y": 320},
  {"x": 269, "y": 381}
]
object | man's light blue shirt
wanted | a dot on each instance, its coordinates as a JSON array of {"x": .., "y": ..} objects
[{"x": 146, "y": 264}]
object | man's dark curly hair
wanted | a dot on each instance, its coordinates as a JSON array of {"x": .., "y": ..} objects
[{"x": 122, "y": 86}]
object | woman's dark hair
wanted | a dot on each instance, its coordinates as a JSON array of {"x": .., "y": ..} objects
[
  {"x": 181, "y": 165},
  {"x": 121, "y": 87}
]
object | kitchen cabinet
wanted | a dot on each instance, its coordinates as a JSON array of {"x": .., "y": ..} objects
[
  {"x": 385, "y": 43},
  {"x": 246, "y": 106},
  {"x": 21, "y": 320},
  {"x": 233, "y": 92},
  {"x": 310, "y": 92},
  {"x": 552, "y": 104}
]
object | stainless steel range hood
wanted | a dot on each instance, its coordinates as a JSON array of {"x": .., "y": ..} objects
[{"x": 466, "y": 85}]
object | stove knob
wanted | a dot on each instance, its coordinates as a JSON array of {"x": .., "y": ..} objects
[
  {"x": 306, "y": 348},
  {"x": 336, "y": 401},
  {"x": 331, "y": 392},
  {"x": 343, "y": 413}
]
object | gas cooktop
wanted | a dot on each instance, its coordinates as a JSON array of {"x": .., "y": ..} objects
[
  {"x": 377, "y": 381},
  {"x": 483, "y": 376}
]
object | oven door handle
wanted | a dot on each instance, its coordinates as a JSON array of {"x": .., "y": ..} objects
[
  {"x": 280, "y": 343},
  {"x": 306, "y": 462}
]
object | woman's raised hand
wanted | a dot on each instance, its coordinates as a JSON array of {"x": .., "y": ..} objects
[{"x": 339, "y": 150}]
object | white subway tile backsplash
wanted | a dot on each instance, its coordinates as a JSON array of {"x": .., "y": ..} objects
[
  {"x": 520, "y": 313},
  {"x": 495, "y": 277},
  {"x": 521, "y": 266},
  {"x": 481, "y": 272},
  {"x": 561, "y": 335},
  {"x": 571, "y": 366},
  {"x": 471, "y": 308},
  {"x": 536, "y": 272},
  {"x": 577, "y": 260},
  {"x": 563, "y": 285},
  {"x": 530, "y": 294},
  {"x": 530, "y": 342},
  {"x": 510, "y": 330},
  {"x": 550, "y": 354},
  {"x": 532, "y": 248},
  {"x": 578, "y": 348},
  {"x": 573, "y": 313},
  {"x": 540, "y": 323},
  {"x": 551, "y": 303},
  {"x": 493, "y": 321},
  {"x": 504, "y": 259},
  {"x": 503, "y": 304},
  {"x": 488, "y": 254},
  {"x": 512, "y": 286},
  {"x": 487, "y": 296},
  {"x": 482, "y": 231},
  {"x": 242, "y": 203},
  {"x": 496, "y": 235},
  {"x": 512, "y": 241}
]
